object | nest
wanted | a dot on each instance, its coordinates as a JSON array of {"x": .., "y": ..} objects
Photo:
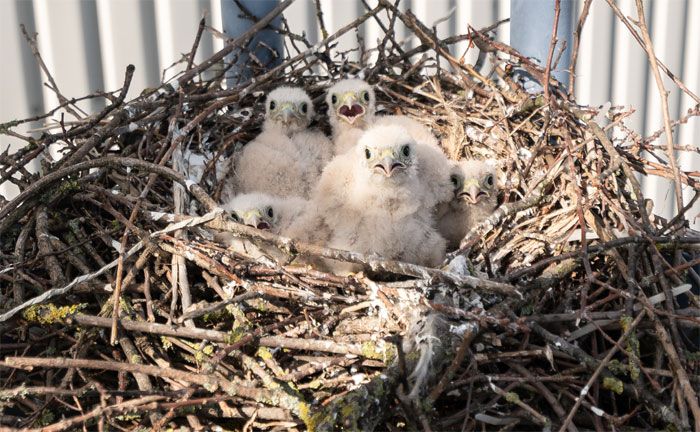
[{"x": 567, "y": 308}]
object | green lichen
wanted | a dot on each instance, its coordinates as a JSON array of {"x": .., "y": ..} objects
[
  {"x": 203, "y": 353},
  {"x": 165, "y": 342},
  {"x": 46, "y": 418},
  {"x": 693, "y": 356},
  {"x": 315, "y": 384},
  {"x": 632, "y": 347},
  {"x": 386, "y": 354},
  {"x": 50, "y": 313},
  {"x": 617, "y": 367},
  {"x": 264, "y": 353},
  {"x": 613, "y": 384},
  {"x": 238, "y": 315},
  {"x": 217, "y": 316},
  {"x": 19, "y": 393},
  {"x": 512, "y": 397},
  {"x": 235, "y": 335},
  {"x": 305, "y": 416},
  {"x": 69, "y": 186}
]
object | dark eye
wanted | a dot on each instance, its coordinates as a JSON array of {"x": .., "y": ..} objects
[
  {"x": 304, "y": 107},
  {"x": 269, "y": 212},
  {"x": 455, "y": 180},
  {"x": 406, "y": 150},
  {"x": 334, "y": 99},
  {"x": 245, "y": 113},
  {"x": 272, "y": 105},
  {"x": 489, "y": 180},
  {"x": 235, "y": 217},
  {"x": 365, "y": 96},
  {"x": 368, "y": 154}
]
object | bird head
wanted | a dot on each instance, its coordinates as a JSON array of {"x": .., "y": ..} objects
[
  {"x": 256, "y": 210},
  {"x": 388, "y": 152},
  {"x": 475, "y": 181},
  {"x": 289, "y": 109},
  {"x": 351, "y": 101}
]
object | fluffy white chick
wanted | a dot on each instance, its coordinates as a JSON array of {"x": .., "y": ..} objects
[
  {"x": 264, "y": 212},
  {"x": 475, "y": 197},
  {"x": 351, "y": 108},
  {"x": 434, "y": 167},
  {"x": 286, "y": 158},
  {"x": 370, "y": 200}
]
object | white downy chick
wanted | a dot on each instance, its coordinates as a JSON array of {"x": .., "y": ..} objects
[
  {"x": 475, "y": 197},
  {"x": 351, "y": 108},
  {"x": 286, "y": 158},
  {"x": 370, "y": 200},
  {"x": 264, "y": 212}
]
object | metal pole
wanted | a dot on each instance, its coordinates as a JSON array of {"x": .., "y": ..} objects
[
  {"x": 236, "y": 22},
  {"x": 531, "y": 32}
]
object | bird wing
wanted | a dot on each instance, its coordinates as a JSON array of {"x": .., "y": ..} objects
[
  {"x": 273, "y": 169},
  {"x": 315, "y": 150}
]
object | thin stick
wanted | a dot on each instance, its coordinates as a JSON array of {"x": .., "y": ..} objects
[
  {"x": 641, "y": 42},
  {"x": 577, "y": 42},
  {"x": 603, "y": 364},
  {"x": 649, "y": 48},
  {"x": 550, "y": 54}
]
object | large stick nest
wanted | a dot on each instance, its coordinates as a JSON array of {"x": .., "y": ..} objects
[{"x": 568, "y": 308}]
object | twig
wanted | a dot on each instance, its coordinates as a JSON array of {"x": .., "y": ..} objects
[
  {"x": 641, "y": 42},
  {"x": 602, "y": 365},
  {"x": 649, "y": 48},
  {"x": 550, "y": 54},
  {"x": 577, "y": 41}
]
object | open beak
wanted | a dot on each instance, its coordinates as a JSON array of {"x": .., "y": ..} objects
[
  {"x": 350, "y": 109},
  {"x": 388, "y": 166},
  {"x": 255, "y": 220},
  {"x": 472, "y": 194}
]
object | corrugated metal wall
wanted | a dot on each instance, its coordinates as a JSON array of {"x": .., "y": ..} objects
[{"x": 87, "y": 44}]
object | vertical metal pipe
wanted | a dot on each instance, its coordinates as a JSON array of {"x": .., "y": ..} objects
[
  {"x": 236, "y": 23},
  {"x": 531, "y": 25}
]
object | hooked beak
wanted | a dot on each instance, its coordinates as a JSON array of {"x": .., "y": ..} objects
[
  {"x": 255, "y": 220},
  {"x": 388, "y": 166},
  {"x": 472, "y": 194},
  {"x": 350, "y": 110},
  {"x": 287, "y": 115}
]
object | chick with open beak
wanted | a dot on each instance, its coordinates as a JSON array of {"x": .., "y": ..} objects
[
  {"x": 475, "y": 198},
  {"x": 351, "y": 108},
  {"x": 256, "y": 210},
  {"x": 264, "y": 212},
  {"x": 256, "y": 218}
]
